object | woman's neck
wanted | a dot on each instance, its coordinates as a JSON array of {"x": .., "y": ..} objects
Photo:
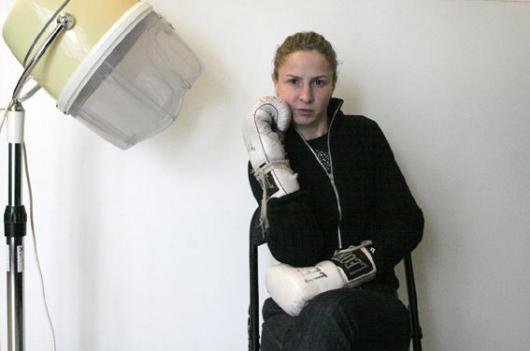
[{"x": 313, "y": 131}]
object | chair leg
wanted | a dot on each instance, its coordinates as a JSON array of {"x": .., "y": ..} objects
[
  {"x": 253, "y": 317},
  {"x": 413, "y": 305}
]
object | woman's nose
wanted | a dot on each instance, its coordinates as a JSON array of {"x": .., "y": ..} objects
[{"x": 306, "y": 95}]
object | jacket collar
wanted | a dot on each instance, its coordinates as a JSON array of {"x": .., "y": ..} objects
[
  {"x": 333, "y": 111},
  {"x": 334, "y": 107}
]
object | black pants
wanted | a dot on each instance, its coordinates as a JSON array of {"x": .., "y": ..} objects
[{"x": 339, "y": 320}]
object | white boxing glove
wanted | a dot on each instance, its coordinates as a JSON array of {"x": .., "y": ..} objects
[
  {"x": 292, "y": 288},
  {"x": 268, "y": 118}
]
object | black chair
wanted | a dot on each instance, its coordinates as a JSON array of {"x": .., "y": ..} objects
[{"x": 257, "y": 237}]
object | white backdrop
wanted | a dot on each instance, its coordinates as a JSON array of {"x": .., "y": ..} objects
[{"x": 147, "y": 249}]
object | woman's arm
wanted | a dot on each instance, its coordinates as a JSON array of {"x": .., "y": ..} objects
[
  {"x": 293, "y": 235},
  {"x": 398, "y": 219}
]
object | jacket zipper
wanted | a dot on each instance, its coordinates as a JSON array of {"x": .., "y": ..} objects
[{"x": 330, "y": 175}]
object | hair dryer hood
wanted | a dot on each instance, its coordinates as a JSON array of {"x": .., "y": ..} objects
[{"x": 122, "y": 70}]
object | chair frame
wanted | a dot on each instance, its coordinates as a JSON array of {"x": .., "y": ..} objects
[{"x": 257, "y": 238}]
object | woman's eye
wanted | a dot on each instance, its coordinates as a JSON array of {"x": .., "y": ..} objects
[
  {"x": 319, "y": 82},
  {"x": 292, "y": 81}
]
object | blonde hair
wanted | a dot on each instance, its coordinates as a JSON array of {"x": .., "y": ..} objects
[{"x": 305, "y": 41}]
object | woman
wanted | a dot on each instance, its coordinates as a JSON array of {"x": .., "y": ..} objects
[{"x": 332, "y": 190}]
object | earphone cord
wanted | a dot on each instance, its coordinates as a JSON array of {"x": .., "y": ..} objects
[{"x": 35, "y": 249}]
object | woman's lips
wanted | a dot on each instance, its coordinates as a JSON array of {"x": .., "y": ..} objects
[{"x": 304, "y": 112}]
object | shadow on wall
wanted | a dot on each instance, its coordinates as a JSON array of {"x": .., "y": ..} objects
[{"x": 86, "y": 244}]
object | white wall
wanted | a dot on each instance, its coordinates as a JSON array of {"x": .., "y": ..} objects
[{"x": 147, "y": 249}]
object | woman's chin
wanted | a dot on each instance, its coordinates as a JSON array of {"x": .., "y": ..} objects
[{"x": 301, "y": 120}]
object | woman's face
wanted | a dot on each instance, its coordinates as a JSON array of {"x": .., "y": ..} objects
[{"x": 305, "y": 83}]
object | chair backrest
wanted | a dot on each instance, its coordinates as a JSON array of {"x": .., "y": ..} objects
[{"x": 257, "y": 237}]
